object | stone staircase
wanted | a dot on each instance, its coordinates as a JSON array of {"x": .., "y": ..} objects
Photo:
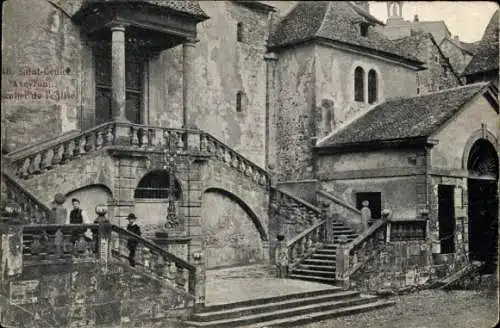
[
  {"x": 287, "y": 310},
  {"x": 320, "y": 266}
]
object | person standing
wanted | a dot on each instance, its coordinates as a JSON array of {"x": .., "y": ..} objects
[
  {"x": 132, "y": 242},
  {"x": 366, "y": 214},
  {"x": 79, "y": 216}
]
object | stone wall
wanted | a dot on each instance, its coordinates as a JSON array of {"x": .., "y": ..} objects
[
  {"x": 439, "y": 74},
  {"x": 41, "y": 72},
  {"x": 458, "y": 57},
  {"x": 87, "y": 294},
  {"x": 295, "y": 121}
]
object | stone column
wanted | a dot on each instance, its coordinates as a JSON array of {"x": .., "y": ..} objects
[
  {"x": 271, "y": 110},
  {"x": 118, "y": 72},
  {"x": 188, "y": 87}
]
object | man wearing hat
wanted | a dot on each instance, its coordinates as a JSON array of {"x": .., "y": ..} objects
[{"x": 132, "y": 242}]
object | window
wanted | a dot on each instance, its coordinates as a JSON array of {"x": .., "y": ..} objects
[
  {"x": 156, "y": 184},
  {"x": 239, "y": 101},
  {"x": 372, "y": 86},
  {"x": 363, "y": 29},
  {"x": 359, "y": 84},
  {"x": 418, "y": 91},
  {"x": 134, "y": 68},
  {"x": 239, "y": 32},
  {"x": 408, "y": 230}
]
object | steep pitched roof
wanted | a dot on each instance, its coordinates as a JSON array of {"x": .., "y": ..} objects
[
  {"x": 335, "y": 21},
  {"x": 186, "y": 6},
  {"x": 434, "y": 27},
  {"x": 486, "y": 56},
  {"x": 404, "y": 118},
  {"x": 410, "y": 44}
]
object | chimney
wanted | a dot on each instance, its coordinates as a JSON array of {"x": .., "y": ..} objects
[
  {"x": 415, "y": 18},
  {"x": 456, "y": 38},
  {"x": 365, "y": 5}
]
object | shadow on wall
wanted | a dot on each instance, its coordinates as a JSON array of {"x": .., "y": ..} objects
[{"x": 90, "y": 197}]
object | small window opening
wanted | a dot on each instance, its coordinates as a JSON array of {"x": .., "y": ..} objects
[
  {"x": 239, "y": 101},
  {"x": 372, "y": 87},
  {"x": 239, "y": 32},
  {"x": 363, "y": 29},
  {"x": 359, "y": 88},
  {"x": 418, "y": 91}
]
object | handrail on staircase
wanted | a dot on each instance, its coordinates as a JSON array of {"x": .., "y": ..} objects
[
  {"x": 338, "y": 201},
  {"x": 305, "y": 243},
  {"x": 150, "y": 255},
  {"x": 33, "y": 208},
  {"x": 353, "y": 255}
]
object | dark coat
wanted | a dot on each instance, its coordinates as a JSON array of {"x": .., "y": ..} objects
[{"x": 134, "y": 228}]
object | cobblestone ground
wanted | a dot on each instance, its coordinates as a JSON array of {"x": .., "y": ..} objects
[{"x": 426, "y": 309}]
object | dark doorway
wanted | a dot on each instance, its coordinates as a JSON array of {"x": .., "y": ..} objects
[
  {"x": 375, "y": 199},
  {"x": 483, "y": 204},
  {"x": 446, "y": 215}
]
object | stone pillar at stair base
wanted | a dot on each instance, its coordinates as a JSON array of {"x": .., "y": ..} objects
[
  {"x": 11, "y": 243},
  {"x": 342, "y": 265}
]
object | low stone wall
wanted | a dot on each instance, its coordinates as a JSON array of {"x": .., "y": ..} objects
[
  {"x": 304, "y": 189},
  {"x": 404, "y": 265},
  {"x": 87, "y": 294}
]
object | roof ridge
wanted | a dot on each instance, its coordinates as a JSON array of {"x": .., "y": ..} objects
[
  {"x": 325, "y": 14},
  {"x": 440, "y": 91}
]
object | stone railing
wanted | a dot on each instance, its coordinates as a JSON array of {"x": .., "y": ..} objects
[
  {"x": 305, "y": 243},
  {"x": 294, "y": 214},
  {"x": 154, "y": 260},
  {"x": 33, "y": 210},
  {"x": 233, "y": 159},
  {"x": 46, "y": 156},
  {"x": 342, "y": 211},
  {"x": 52, "y": 243},
  {"x": 352, "y": 256}
]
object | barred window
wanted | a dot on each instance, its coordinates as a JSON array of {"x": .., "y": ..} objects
[{"x": 408, "y": 230}]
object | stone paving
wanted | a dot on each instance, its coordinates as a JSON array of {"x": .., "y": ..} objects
[{"x": 251, "y": 282}]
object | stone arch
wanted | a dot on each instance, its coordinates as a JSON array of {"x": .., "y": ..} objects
[
  {"x": 255, "y": 219},
  {"x": 475, "y": 136},
  {"x": 233, "y": 234},
  {"x": 90, "y": 196}
]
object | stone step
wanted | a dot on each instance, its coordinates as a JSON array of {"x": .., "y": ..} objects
[
  {"x": 266, "y": 300},
  {"x": 314, "y": 261},
  {"x": 316, "y": 267},
  {"x": 341, "y": 230},
  {"x": 271, "y": 305},
  {"x": 327, "y": 251},
  {"x": 315, "y": 273},
  {"x": 283, "y": 313},
  {"x": 327, "y": 257},
  {"x": 298, "y": 321},
  {"x": 324, "y": 280}
]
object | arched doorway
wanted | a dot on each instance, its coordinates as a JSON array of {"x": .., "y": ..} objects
[
  {"x": 151, "y": 201},
  {"x": 482, "y": 185}
]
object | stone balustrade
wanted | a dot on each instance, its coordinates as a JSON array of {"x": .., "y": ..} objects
[
  {"x": 132, "y": 136},
  {"x": 351, "y": 256},
  {"x": 305, "y": 243},
  {"x": 154, "y": 260}
]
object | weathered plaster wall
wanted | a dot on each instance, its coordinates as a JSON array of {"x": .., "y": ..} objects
[
  {"x": 459, "y": 58},
  {"x": 448, "y": 153},
  {"x": 231, "y": 237},
  {"x": 90, "y": 197},
  {"x": 223, "y": 66},
  {"x": 398, "y": 194},
  {"x": 85, "y": 295},
  {"x": 295, "y": 122},
  {"x": 41, "y": 72},
  {"x": 334, "y": 85}
]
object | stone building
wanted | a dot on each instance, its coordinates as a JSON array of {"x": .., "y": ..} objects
[{"x": 207, "y": 115}]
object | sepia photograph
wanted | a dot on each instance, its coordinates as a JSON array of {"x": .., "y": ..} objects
[{"x": 249, "y": 164}]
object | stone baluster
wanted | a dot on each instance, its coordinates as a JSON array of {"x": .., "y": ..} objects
[
  {"x": 234, "y": 162},
  {"x": 143, "y": 137},
  {"x": 58, "y": 155},
  {"x": 110, "y": 138},
  {"x": 68, "y": 151},
  {"x": 99, "y": 140},
  {"x": 81, "y": 146},
  {"x": 146, "y": 258},
  {"x": 180, "y": 279},
  {"x": 23, "y": 170},
  {"x": 203, "y": 142},
  {"x": 35, "y": 164},
  {"x": 134, "y": 140},
  {"x": 47, "y": 160},
  {"x": 181, "y": 140}
]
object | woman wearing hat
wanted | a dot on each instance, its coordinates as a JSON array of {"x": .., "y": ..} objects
[{"x": 132, "y": 242}]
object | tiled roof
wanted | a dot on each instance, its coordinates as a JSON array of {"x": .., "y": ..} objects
[
  {"x": 486, "y": 56},
  {"x": 404, "y": 118},
  {"x": 336, "y": 21},
  {"x": 437, "y": 28},
  {"x": 470, "y": 47},
  {"x": 186, "y": 6}
]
